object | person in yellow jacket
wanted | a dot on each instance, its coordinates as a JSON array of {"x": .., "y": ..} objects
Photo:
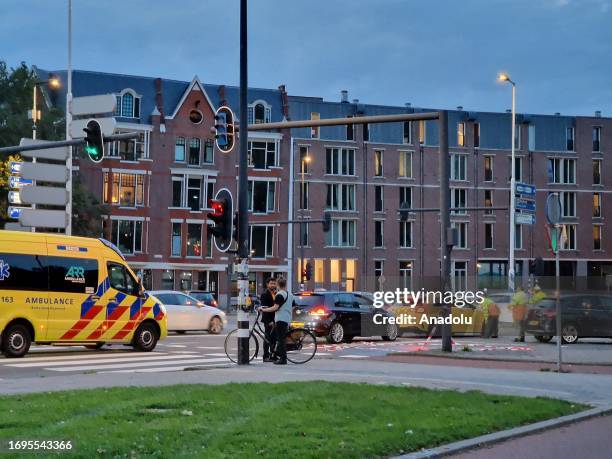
[
  {"x": 491, "y": 313},
  {"x": 518, "y": 305},
  {"x": 536, "y": 296}
]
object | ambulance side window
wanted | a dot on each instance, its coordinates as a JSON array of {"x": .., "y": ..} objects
[
  {"x": 120, "y": 279},
  {"x": 23, "y": 272},
  {"x": 72, "y": 275}
]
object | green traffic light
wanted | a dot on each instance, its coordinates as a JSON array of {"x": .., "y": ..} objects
[{"x": 93, "y": 153}]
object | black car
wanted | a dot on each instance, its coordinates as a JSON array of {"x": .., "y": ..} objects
[
  {"x": 582, "y": 316},
  {"x": 341, "y": 316}
]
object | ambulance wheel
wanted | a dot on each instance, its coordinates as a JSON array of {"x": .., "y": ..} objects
[
  {"x": 145, "y": 338},
  {"x": 16, "y": 341},
  {"x": 94, "y": 347}
]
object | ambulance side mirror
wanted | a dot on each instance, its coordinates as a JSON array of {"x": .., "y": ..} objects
[{"x": 141, "y": 289}]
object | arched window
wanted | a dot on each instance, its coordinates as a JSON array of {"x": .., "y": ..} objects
[
  {"x": 127, "y": 105},
  {"x": 260, "y": 114}
]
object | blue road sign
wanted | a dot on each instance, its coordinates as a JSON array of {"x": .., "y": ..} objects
[
  {"x": 14, "y": 212},
  {"x": 524, "y": 219},
  {"x": 525, "y": 204},
  {"x": 15, "y": 167},
  {"x": 525, "y": 189},
  {"x": 18, "y": 182}
]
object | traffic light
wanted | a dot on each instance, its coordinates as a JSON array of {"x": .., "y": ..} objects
[
  {"x": 222, "y": 214},
  {"x": 94, "y": 141},
  {"x": 224, "y": 129}
]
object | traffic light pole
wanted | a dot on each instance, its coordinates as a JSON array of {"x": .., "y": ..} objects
[
  {"x": 65, "y": 143},
  {"x": 243, "y": 209}
]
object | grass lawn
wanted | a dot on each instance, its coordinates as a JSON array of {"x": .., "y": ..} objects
[{"x": 302, "y": 420}]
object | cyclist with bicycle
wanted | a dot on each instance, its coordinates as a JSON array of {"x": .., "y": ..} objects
[
  {"x": 267, "y": 318},
  {"x": 282, "y": 309}
]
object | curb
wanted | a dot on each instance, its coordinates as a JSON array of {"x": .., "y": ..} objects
[{"x": 497, "y": 437}]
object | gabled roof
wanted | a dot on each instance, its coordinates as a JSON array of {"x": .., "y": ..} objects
[{"x": 195, "y": 83}]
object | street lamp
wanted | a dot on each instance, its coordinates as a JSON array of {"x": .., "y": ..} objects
[
  {"x": 305, "y": 160},
  {"x": 54, "y": 83},
  {"x": 504, "y": 77}
]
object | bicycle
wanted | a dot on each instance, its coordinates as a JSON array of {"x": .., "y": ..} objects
[{"x": 301, "y": 343}]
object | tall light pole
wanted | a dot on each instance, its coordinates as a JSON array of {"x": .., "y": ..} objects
[
  {"x": 506, "y": 78},
  {"x": 69, "y": 121},
  {"x": 305, "y": 160},
  {"x": 53, "y": 83}
]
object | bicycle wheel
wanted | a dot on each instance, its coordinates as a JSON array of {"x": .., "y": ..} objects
[
  {"x": 231, "y": 346},
  {"x": 301, "y": 345}
]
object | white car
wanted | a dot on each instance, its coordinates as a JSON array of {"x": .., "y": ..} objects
[{"x": 185, "y": 313}]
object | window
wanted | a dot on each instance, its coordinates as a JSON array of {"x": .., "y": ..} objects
[
  {"x": 262, "y": 155},
  {"x": 596, "y": 205},
  {"x": 120, "y": 279},
  {"x": 334, "y": 271},
  {"x": 304, "y": 187},
  {"x": 569, "y": 136},
  {"x": 378, "y": 163},
  {"x": 341, "y": 233},
  {"x": 568, "y": 204},
  {"x": 340, "y": 161},
  {"x": 194, "y": 194},
  {"x": 314, "y": 131},
  {"x": 105, "y": 195},
  {"x": 129, "y": 150},
  {"x": 596, "y": 237},
  {"x": 488, "y": 168},
  {"x": 304, "y": 239},
  {"x": 261, "y": 241},
  {"x": 488, "y": 235},
  {"x": 259, "y": 113},
  {"x": 74, "y": 275},
  {"x": 127, "y": 235},
  {"x": 378, "y": 272},
  {"x": 461, "y": 134},
  {"x": 476, "y": 135},
  {"x": 127, "y": 189},
  {"x": 405, "y": 272},
  {"x": 194, "y": 152},
  {"x": 366, "y": 132},
  {"x": 405, "y": 234},
  {"x": 167, "y": 280},
  {"x": 422, "y": 133},
  {"x": 407, "y": 138},
  {"x": 460, "y": 275},
  {"x": 378, "y": 233},
  {"x": 518, "y": 168},
  {"x": 518, "y": 237},
  {"x": 350, "y": 130},
  {"x": 596, "y": 138},
  {"x": 379, "y": 199},
  {"x": 262, "y": 196},
  {"x": 340, "y": 196},
  {"x": 517, "y": 137},
  {"x": 568, "y": 237},
  {"x": 561, "y": 170},
  {"x": 209, "y": 244},
  {"x": 461, "y": 234},
  {"x": 179, "y": 149},
  {"x": 304, "y": 150},
  {"x": 597, "y": 172},
  {"x": 128, "y": 106},
  {"x": 209, "y": 156},
  {"x": 177, "y": 240},
  {"x": 488, "y": 201},
  {"x": 177, "y": 191},
  {"x": 457, "y": 167},
  {"x": 458, "y": 200},
  {"x": 319, "y": 271},
  {"x": 27, "y": 272},
  {"x": 194, "y": 240},
  {"x": 405, "y": 164},
  {"x": 405, "y": 195}
]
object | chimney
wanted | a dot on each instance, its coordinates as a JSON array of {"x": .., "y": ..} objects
[
  {"x": 159, "y": 100},
  {"x": 344, "y": 96},
  {"x": 285, "y": 101},
  {"x": 508, "y": 110},
  {"x": 557, "y": 113},
  {"x": 221, "y": 92},
  {"x": 597, "y": 113},
  {"x": 355, "y": 101},
  {"x": 460, "y": 107}
]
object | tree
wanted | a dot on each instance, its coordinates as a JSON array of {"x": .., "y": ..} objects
[{"x": 87, "y": 212}]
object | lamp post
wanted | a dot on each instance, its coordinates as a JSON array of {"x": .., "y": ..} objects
[
  {"x": 506, "y": 78},
  {"x": 304, "y": 161},
  {"x": 53, "y": 83}
]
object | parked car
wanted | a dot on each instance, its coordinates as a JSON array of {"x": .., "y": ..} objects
[
  {"x": 185, "y": 313},
  {"x": 204, "y": 296},
  {"x": 340, "y": 316},
  {"x": 582, "y": 316}
]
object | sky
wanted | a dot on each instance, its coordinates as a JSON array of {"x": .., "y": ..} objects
[{"x": 431, "y": 53}]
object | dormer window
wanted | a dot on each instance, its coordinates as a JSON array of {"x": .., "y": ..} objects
[
  {"x": 128, "y": 104},
  {"x": 259, "y": 112}
]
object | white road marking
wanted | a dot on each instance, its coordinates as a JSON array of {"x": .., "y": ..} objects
[
  {"x": 77, "y": 357},
  {"x": 353, "y": 356},
  {"x": 217, "y": 354},
  {"x": 167, "y": 369},
  {"x": 175, "y": 345},
  {"x": 97, "y": 361},
  {"x": 210, "y": 347},
  {"x": 134, "y": 365}
]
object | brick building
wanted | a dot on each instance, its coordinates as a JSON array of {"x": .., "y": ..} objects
[{"x": 157, "y": 189}]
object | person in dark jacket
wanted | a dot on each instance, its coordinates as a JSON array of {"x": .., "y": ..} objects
[{"x": 267, "y": 318}]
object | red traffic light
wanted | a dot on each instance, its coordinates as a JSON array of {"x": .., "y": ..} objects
[{"x": 218, "y": 209}]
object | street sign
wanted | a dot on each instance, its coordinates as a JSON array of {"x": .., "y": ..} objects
[
  {"x": 14, "y": 197},
  {"x": 15, "y": 167},
  {"x": 44, "y": 195},
  {"x": 107, "y": 126},
  {"x": 43, "y": 218},
  {"x": 525, "y": 189},
  {"x": 16, "y": 226},
  {"x": 525, "y": 204},
  {"x": 524, "y": 219},
  {"x": 15, "y": 212},
  {"x": 89, "y": 105},
  {"x": 553, "y": 209},
  {"x": 19, "y": 182},
  {"x": 57, "y": 153},
  {"x": 44, "y": 172}
]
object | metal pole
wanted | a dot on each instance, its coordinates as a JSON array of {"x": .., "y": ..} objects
[
  {"x": 34, "y": 121},
  {"x": 444, "y": 172},
  {"x": 512, "y": 196},
  {"x": 243, "y": 216},
  {"x": 302, "y": 264},
  {"x": 558, "y": 299},
  {"x": 69, "y": 121}
]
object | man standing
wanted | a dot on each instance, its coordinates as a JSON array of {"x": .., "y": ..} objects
[
  {"x": 283, "y": 309},
  {"x": 519, "y": 312},
  {"x": 267, "y": 318}
]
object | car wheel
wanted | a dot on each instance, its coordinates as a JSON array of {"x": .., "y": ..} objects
[
  {"x": 215, "y": 326},
  {"x": 336, "y": 333},
  {"x": 94, "y": 347},
  {"x": 569, "y": 334},
  {"x": 544, "y": 338},
  {"x": 16, "y": 341},
  {"x": 180, "y": 332},
  {"x": 145, "y": 338},
  {"x": 391, "y": 333}
]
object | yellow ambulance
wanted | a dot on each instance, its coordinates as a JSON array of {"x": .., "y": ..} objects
[{"x": 62, "y": 289}]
